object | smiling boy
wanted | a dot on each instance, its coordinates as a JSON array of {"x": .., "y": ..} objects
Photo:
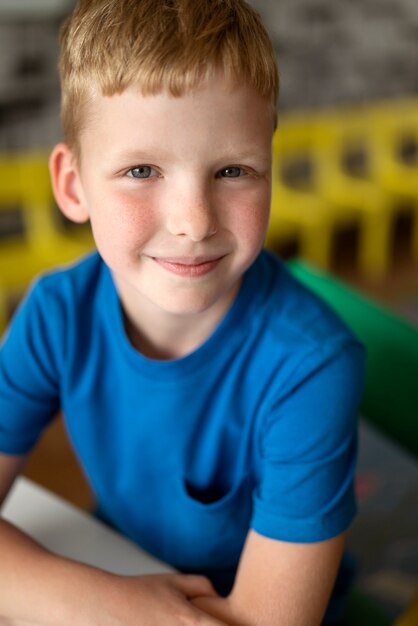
[
  {"x": 210, "y": 398},
  {"x": 177, "y": 191}
]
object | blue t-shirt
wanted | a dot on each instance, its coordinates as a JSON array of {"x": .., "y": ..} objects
[{"x": 254, "y": 429}]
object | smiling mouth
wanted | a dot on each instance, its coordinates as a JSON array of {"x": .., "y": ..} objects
[{"x": 188, "y": 267}]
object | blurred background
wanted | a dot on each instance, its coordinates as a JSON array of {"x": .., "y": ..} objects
[{"x": 345, "y": 200}]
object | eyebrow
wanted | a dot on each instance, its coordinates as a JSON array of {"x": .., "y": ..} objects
[
  {"x": 153, "y": 154},
  {"x": 136, "y": 155}
]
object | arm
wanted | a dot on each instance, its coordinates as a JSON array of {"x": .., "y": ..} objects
[
  {"x": 280, "y": 583},
  {"x": 60, "y": 591},
  {"x": 35, "y": 585},
  {"x": 305, "y": 494}
]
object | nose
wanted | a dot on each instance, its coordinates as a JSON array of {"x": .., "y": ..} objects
[{"x": 191, "y": 214}]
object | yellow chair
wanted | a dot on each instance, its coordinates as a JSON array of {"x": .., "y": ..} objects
[
  {"x": 16, "y": 264},
  {"x": 352, "y": 166},
  {"x": 46, "y": 234},
  {"x": 40, "y": 241},
  {"x": 394, "y": 127},
  {"x": 318, "y": 188},
  {"x": 4, "y": 313},
  {"x": 345, "y": 153},
  {"x": 297, "y": 213}
]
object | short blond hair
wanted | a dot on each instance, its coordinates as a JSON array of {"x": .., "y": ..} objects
[{"x": 159, "y": 45}]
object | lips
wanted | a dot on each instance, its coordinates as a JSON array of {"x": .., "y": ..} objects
[{"x": 191, "y": 267}]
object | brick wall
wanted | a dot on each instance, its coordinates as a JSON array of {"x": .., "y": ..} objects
[{"x": 333, "y": 51}]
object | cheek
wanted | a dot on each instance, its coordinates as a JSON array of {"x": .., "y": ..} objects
[
  {"x": 249, "y": 219},
  {"x": 122, "y": 222}
]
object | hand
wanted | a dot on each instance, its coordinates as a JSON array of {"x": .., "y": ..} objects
[{"x": 158, "y": 600}]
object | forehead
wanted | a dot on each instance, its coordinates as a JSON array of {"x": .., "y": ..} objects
[{"x": 216, "y": 110}]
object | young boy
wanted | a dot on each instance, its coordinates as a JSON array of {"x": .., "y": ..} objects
[{"x": 210, "y": 398}]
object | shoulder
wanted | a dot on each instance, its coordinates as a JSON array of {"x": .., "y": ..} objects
[
  {"x": 296, "y": 334},
  {"x": 65, "y": 291},
  {"x": 294, "y": 308},
  {"x": 297, "y": 314},
  {"x": 307, "y": 432},
  {"x": 57, "y": 302},
  {"x": 81, "y": 277}
]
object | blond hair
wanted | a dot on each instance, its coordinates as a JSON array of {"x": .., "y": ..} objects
[{"x": 110, "y": 45}]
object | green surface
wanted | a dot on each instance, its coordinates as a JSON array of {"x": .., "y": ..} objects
[{"x": 390, "y": 400}]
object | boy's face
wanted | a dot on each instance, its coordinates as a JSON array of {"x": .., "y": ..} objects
[{"x": 178, "y": 192}]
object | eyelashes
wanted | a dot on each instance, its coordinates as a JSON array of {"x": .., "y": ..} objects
[
  {"x": 142, "y": 172},
  {"x": 234, "y": 171}
]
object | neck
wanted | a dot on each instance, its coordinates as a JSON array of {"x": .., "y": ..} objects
[
  {"x": 161, "y": 335},
  {"x": 164, "y": 342}
]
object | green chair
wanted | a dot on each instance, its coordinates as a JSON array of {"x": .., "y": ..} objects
[{"x": 390, "y": 400}]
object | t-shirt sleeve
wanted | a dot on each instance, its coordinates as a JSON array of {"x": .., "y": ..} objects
[
  {"x": 308, "y": 449},
  {"x": 29, "y": 381}
]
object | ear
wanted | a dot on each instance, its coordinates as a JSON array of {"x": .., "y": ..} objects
[{"x": 66, "y": 184}]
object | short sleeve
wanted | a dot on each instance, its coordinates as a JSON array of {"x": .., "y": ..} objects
[
  {"x": 308, "y": 449},
  {"x": 29, "y": 390}
]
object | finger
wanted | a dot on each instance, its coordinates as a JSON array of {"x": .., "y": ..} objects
[
  {"x": 208, "y": 620},
  {"x": 193, "y": 586}
]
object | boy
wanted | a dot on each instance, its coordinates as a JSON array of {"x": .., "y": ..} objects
[{"x": 210, "y": 398}]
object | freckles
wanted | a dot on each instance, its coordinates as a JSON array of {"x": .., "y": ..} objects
[
  {"x": 121, "y": 226},
  {"x": 132, "y": 217},
  {"x": 251, "y": 216},
  {"x": 250, "y": 225},
  {"x": 140, "y": 219}
]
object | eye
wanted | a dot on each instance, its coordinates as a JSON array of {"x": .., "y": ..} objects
[
  {"x": 231, "y": 172},
  {"x": 142, "y": 171}
]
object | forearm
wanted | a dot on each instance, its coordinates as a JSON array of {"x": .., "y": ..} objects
[
  {"x": 279, "y": 584},
  {"x": 239, "y": 612},
  {"x": 236, "y": 611},
  {"x": 40, "y": 587}
]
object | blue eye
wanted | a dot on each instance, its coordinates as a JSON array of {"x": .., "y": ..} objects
[
  {"x": 231, "y": 172},
  {"x": 142, "y": 171}
]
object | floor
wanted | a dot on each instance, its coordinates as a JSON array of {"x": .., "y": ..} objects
[{"x": 383, "y": 539}]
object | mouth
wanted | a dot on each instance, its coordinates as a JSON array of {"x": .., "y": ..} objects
[{"x": 190, "y": 267}]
